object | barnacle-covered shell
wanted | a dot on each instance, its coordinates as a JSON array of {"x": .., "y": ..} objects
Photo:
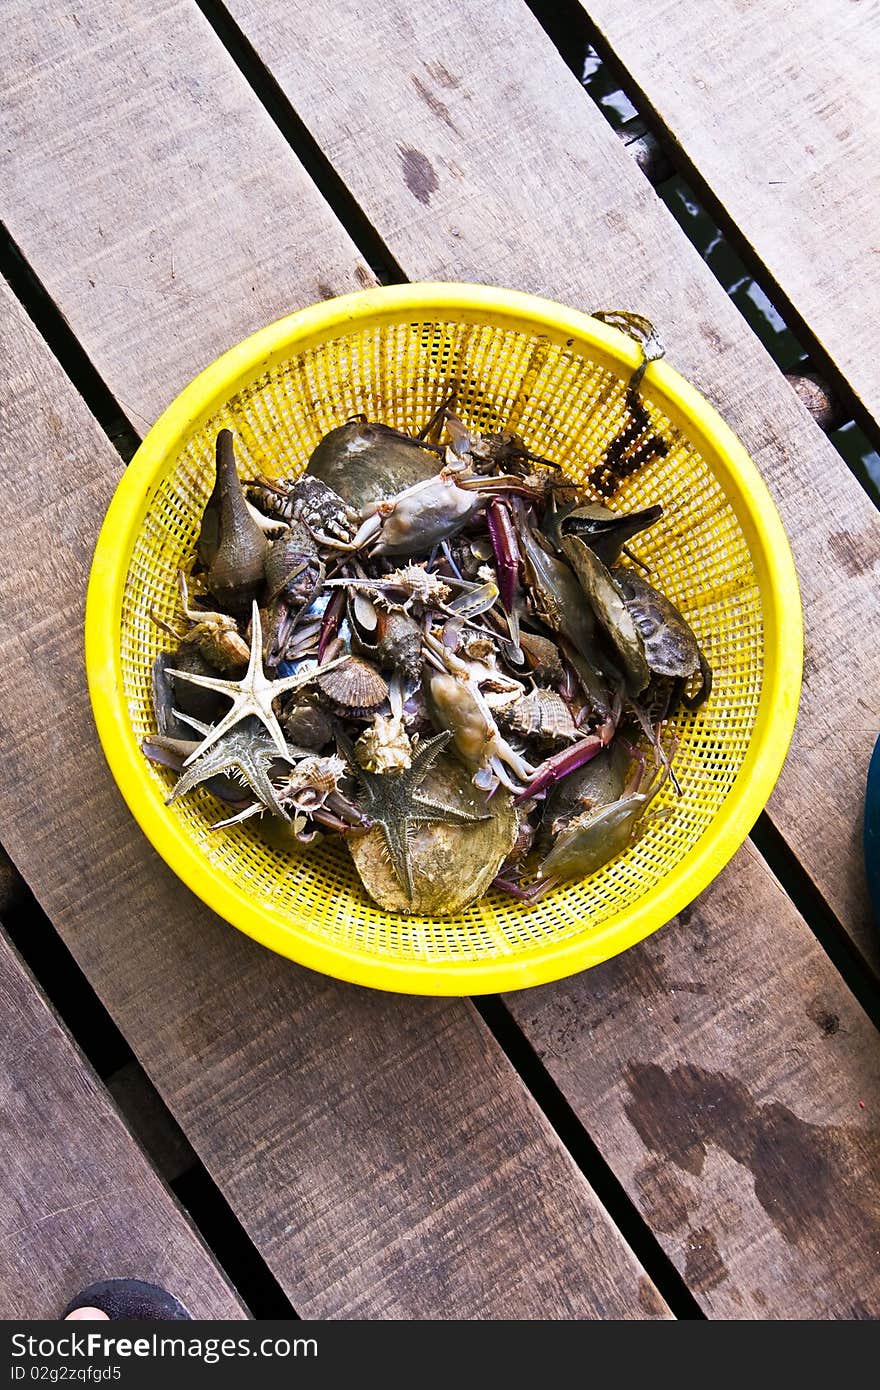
[
  {"x": 542, "y": 715},
  {"x": 385, "y": 746},
  {"x": 400, "y": 643},
  {"x": 292, "y": 567},
  {"x": 353, "y": 686},
  {"x": 452, "y": 865}
]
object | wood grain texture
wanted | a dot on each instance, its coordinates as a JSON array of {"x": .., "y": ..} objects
[
  {"x": 777, "y": 106},
  {"x": 477, "y": 156},
  {"x": 150, "y": 191},
  {"x": 379, "y": 1150},
  {"x": 78, "y": 1200},
  {"x": 733, "y": 1083}
]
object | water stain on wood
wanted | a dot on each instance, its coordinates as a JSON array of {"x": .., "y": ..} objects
[
  {"x": 667, "y": 1204},
  {"x": 442, "y": 75},
  {"x": 847, "y": 551},
  {"x": 704, "y": 1268},
  {"x": 433, "y": 103},
  {"x": 418, "y": 173},
  {"x": 825, "y": 1019},
  {"x": 819, "y": 1184}
]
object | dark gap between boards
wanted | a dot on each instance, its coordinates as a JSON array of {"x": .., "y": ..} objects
[
  {"x": 157, "y": 1132},
  {"x": 303, "y": 144},
  {"x": 598, "y": 1173},
  {"x": 710, "y": 230}
]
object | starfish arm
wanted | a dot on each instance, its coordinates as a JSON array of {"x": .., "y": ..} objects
[
  {"x": 196, "y": 724},
  {"x": 207, "y": 766},
  {"x": 226, "y": 723},
  {"x": 230, "y": 688},
  {"x": 253, "y": 769},
  {"x": 424, "y": 809},
  {"x": 254, "y": 810},
  {"x": 396, "y": 837},
  {"x": 427, "y": 755},
  {"x": 273, "y": 728}
]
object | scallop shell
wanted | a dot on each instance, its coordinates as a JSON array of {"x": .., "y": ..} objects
[{"x": 353, "y": 686}]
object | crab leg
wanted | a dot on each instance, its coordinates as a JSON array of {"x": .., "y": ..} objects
[{"x": 560, "y": 765}]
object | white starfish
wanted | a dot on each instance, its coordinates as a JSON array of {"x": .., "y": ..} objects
[{"x": 253, "y": 694}]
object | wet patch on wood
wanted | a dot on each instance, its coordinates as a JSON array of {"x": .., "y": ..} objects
[
  {"x": 419, "y": 174},
  {"x": 812, "y": 1180}
]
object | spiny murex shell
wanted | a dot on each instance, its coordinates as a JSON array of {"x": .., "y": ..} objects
[{"x": 452, "y": 865}]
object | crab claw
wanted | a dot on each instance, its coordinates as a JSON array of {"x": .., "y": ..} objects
[{"x": 560, "y": 765}]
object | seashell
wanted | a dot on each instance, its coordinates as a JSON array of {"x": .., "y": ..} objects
[
  {"x": 452, "y": 865},
  {"x": 307, "y": 725},
  {"x": 384, "y": 746},
  {"x": 543, "y": 715},
  {"x": 400, "y": 643},
  {"x": 354, "y": 686},
  {"x": 542, "y": 656}
]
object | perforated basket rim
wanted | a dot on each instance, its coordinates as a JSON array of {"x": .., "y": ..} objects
[{"x": 683, "y": 405}]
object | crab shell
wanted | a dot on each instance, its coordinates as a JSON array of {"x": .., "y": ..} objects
[{"x": 453, "y": 865}]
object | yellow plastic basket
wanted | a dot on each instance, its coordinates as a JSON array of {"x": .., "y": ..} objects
[{"x": 558, "y": 377}]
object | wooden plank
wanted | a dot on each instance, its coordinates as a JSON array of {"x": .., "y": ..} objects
[
  {"x": 380, "y": 1151},
  {"x": 777, "y": 107},
  {"x": 78, "y": 1200},
  {"x": 732, "y": 1081},
  {"x": 511, "y": 175},
  {"x": 151, "y": 192},
  {"x": 477, "y": 156}
]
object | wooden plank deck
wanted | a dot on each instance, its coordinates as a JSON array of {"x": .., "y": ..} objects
[
  {"x": 306, "y": 1100},
  {"x": 777, "y": 108},
  {"x": 499, "y": 219},
  {"x": 78, "y": 1200},
  {"x": 381, "y": 1153}
]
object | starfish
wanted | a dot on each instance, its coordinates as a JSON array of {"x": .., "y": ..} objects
[
  {"x": 247, "y": 752},
  {"x": 394, "y": 804},
  {"x": 252, "y": 695}
]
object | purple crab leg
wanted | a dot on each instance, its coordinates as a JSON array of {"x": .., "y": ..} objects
[
  {"x": 530, "y": 895},
  {"x": 560, "y": 765},
  {"x": 332, "y": 618},
  {"x": 506, "y": 549}
]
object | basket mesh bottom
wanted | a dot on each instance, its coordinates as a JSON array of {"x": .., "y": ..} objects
[{"x": 566, "y": 407}]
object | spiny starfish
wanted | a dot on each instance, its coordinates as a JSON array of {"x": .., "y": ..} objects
[
  {"x": 393, "y": 802},
  {"x": 252, "y": 695},
  {"x": 246, "y": 751}
]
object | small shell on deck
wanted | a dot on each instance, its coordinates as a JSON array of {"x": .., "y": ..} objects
[
  {"x": 353, "y": 686},
  {"x": 543, "y": 715}
]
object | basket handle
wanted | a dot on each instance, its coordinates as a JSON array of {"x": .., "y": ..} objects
[{"x": 637, "y": 327}]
